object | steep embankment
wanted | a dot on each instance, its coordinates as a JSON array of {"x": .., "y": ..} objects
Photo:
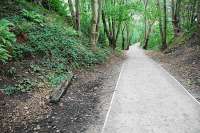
[
  {"x": 40, "y": 46},
  {"x": 182, "y": 60},
  {"x": 43, "y": 50}
]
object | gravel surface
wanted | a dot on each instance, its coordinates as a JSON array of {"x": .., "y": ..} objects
[{"x": 183, "y": 62}]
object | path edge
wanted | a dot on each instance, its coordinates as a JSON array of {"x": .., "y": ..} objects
[
  {"x": 173, "y": 78},
  {"x": 113, "y": 96}
]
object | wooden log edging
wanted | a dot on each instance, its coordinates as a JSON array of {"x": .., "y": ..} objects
[{"x": 59, "y": 91}]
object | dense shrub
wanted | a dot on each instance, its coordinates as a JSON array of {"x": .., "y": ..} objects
[
  {"x": 32, "y": 16},
  {"x": 6, "y": 39},
  {"x": 55, "y": 41},
  {"x": 59, "y": 6},
  {"x": 52, "y": 46}
]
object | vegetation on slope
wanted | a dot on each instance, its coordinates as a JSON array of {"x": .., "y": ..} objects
[
  {"x": 61, "y": 35},
  {"x": 38, "y": 45}
]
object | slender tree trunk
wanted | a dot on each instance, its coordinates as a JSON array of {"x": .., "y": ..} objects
[
  {"x": 94, "y": 26},
  {"x": 163, "y": 27},
  {"x": 175, "y": 5},
  {"x": 164, "y": 44},
  {"x": 193, "y": 12},
  {"x": 160, "y": 19},
  {"x": 147, "y": 37},
  {"x": 145, "y": 19},
  {"x": 98, "y": 19},
  {"x": 123, "y": 39},
  {"x": 198, "y": 13},
  {"x": 127, "y": 36},
  {"x": 110, "y": 30},
  {"x": 72, "y": 11},
  {"x": 75, "y": 13},
  {"x": 77, "y": 6}
]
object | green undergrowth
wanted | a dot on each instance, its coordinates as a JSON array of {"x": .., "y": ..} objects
[
  {"x": 184, "y": 37},
  {"x": 180, "y": 40},
  {"x": 48, "y": 39}
]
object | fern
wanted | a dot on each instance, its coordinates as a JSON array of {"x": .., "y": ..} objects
[
  {"x": 33, "y": 16},
  {"x": 6, "y": 39}
]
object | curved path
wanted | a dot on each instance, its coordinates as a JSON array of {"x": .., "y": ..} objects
[{"x": 148, "y": 100}]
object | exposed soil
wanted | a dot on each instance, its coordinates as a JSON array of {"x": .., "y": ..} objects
[
  {"x": 183, "y": 62},
  {"x": 81, "y": 110}
]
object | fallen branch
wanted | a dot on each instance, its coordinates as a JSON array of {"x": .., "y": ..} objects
[{"x": 59, "y": 91}]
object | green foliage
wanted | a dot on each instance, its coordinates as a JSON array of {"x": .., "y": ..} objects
[
  {"x": 33, "y": 16},
  {"x": 155, "y": 39},
  {"x": 3, "y": 54},
  {"x": 85, "y": 23},
  {"x": 56, "y": 78},
  {"x": 59, "y": 6},
  {"x": 58, "y": 45},
  {"x": 35, "y": 68},
  {"x": 120, "y": 11},
  {"x": 118, "y": 51},
  {"x": 24, "y": 85},
  {"x": 9, "y": 90},
  {"x": 6, "y": 39},
  {"x": 11, "y": 72}
]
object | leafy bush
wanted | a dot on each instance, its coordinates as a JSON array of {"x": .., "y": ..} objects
[
  {"x": 6, "y": 39},
  {"x": 60, "y": 44},
  {"x": 56, "y": 78},
  {"x": 9, "y": 90},
  {"x": 3, "y": 54},
  {"x": 85, "y": 23},
  {"x": 59, "y": 6},
  {"x": 33, "y": 16},
  {"x": 23, "y": 86}
]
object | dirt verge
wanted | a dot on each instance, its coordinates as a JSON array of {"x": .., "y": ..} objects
[{"x": 81, "y": 110}]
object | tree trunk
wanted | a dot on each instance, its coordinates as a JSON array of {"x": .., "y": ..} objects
[
  {"x": 127, "y": 36},
  {"x": 72, "y": 11},
  {"x": 145, "y": 19},
  {"x": 77, "y": 6},
  {"x": 94, "y": 25},
  {"x": 123, "y": 39},
  {"x": 193, "y": 12},
  {"x": 98, "y": 19},
  {"x": 110, "y": 30},
  {"x": 176, "y": 17},
  {"x": 75, "y": 13},
  {"x": 147, "y": 37},
  {"x": 198, "y": 13},
  {"x": 163, "y": 27},
  {"x": 164, "y": 44}
]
